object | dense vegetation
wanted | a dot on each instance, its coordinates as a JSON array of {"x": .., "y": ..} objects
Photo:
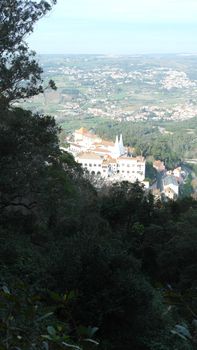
[
  {"x": 172, "y": 142},
  {"x": 81, "y": 268},
  {"x": 177, "y": 143}
]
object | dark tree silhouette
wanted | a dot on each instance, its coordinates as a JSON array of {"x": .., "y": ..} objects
[{"x": 20, "y": 74}]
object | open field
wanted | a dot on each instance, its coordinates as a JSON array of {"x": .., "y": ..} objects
[{"x": 122, "y": 88}]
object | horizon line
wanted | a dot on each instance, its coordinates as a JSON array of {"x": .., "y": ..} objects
[{"x": 122, "y": 54}]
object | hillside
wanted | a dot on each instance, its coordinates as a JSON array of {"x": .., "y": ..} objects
[
  {"x": 79, "y": 268},
  {"x": 122, "y": 88}
]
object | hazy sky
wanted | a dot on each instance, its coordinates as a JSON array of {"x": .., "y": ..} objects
[{"x": 118, "y": 27}]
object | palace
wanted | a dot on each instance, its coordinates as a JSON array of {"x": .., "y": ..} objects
[{"x": 109, "y": 160}]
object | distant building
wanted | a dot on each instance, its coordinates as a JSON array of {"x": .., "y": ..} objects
[
  {"x": 112, "y": 161},
  {"x": 170, "y": 187},
  {"x": 179, "y": 174}
]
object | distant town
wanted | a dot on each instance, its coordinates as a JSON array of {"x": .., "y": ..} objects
[{"x": 119, "y": 88}]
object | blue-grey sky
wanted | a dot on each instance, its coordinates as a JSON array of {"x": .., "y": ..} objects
[{"x": 118, "y": 27}]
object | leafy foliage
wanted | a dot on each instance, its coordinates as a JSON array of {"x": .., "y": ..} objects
[
  {"x": 111, "y": 264},
  {"x": 27, "y": 323},
  {"x": 20, "y": 73}
]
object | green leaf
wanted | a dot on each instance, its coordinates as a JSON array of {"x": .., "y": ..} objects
[
  {"x": 91, "y": 341},
  {"x": 51, "y": 330},
  {"x": 179, "y": 335},
  {"x": 5, "y": 289},
  {"x": 45, "y": 336},
  {"x": 91, "y": 331},
  {"x": 44, "y": 316},
  {"x": 70, "y": 296},
  {"x": 87, "y": 331},
  {"x": 71, "y": 346},
  {"x": 183, "y": 331}
]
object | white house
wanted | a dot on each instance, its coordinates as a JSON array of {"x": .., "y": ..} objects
[
  {"x": 131, "y": 168},
  {"x": 91, "y": 162},
  {"x": 170, "y": 187},
  {"x": 105, "y": 158}
]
